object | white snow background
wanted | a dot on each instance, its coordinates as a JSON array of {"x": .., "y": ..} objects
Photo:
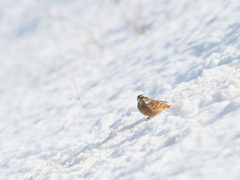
[{"x": 185, "y": 52}]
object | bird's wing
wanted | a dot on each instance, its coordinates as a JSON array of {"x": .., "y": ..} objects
[{"x": 155, "y": 104}]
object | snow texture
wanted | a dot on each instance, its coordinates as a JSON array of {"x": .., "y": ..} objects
[{"x": 185, "y": 52}]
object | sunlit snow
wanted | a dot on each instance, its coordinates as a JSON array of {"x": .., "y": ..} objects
[{"x": 70, "y": 74}]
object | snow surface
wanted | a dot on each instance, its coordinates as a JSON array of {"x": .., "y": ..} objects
[{"x": 188, "y": 56}]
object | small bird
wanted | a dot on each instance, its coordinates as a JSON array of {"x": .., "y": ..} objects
[{"x": 151, "y": 107}]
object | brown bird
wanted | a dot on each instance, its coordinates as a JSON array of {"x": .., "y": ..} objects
[{"x": 151, "y": 107}]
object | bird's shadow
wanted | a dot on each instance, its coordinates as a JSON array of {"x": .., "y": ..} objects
[{"x": 130, "y": 126}]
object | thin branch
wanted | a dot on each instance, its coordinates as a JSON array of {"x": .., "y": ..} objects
[
  {"x": 82, "y": 47},
  {"x": 78, "y": 97},
  {"x": 59, "y": 48},
  {"x": 74, "y": 23},
  {"x": 79, "y": 26},
  {"x": 201, "y": 51},
  {"x": 97, "y": 15},
  {"x": 141, "y": 14},
  {"x": 50, "y": 69},
  {"x": 133, "y": 24}
]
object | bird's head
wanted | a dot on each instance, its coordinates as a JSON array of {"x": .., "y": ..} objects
[{"x": 143, "y": 99}]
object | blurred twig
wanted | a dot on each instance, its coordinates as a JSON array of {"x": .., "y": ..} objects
[
  {"x": 81, "y": 27},
  {"x": 97, "y": 15},
  {"x": 59, "y": 48},
  {"x": 138, "y": 28},
  {"x": 201, "y": 51},
  {"x": 82, "y": 47},
  {"x": 50, "y": 69},
  {"x": 78, "y": 97},
  {"x": 141, "y": 16},
  {"x": 75, "y": 24}
]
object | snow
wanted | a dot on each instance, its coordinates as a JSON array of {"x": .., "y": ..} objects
[{"x": 188, "y": 56}]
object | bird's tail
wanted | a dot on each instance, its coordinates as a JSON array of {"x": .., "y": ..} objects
[{"x": 165, "y": 106}]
